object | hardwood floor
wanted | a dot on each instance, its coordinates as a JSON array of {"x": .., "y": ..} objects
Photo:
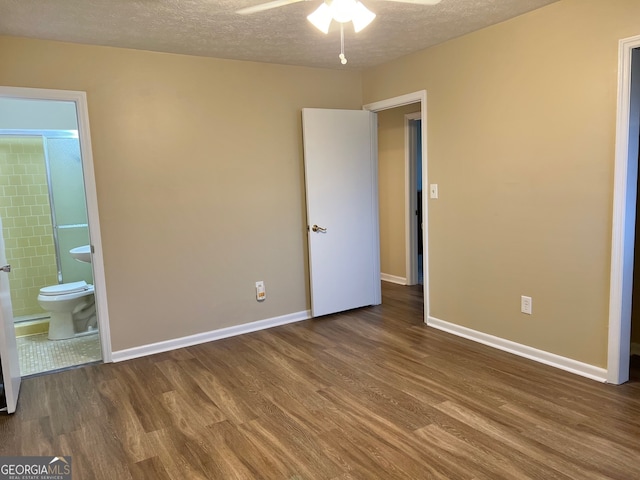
[{"x": 368, "y": 394}]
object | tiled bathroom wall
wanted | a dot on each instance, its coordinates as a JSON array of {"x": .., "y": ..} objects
[{"x": 26, "y": 220}]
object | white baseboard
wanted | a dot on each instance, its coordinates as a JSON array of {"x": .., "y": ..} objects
[
  {"x": 210, "y": 336},
  {"x": 563, "y": 363},
  {"x": 635, "y": 349},
  {"x": 385, "y": 277}
]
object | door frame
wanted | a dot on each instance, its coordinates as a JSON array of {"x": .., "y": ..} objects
[
  {"x": 400, "y": 101},
  {"x": 411, "y": 219},
  {"x": 623, "y": 227},
  {"x": 84, "y": 136}
]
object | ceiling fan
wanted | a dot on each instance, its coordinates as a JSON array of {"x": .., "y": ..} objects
[{"x": 342, "y": 11}]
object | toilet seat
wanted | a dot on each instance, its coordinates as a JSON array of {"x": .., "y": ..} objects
[
  {"x": 65, "y": 288},
  {"x": 65, "y": 304}
]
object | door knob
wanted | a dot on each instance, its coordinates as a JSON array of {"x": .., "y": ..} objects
[
  {"x": 316, "y": 228},
  {"x": 6, "y": 268}
]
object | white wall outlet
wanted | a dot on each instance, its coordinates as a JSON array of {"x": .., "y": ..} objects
[
  {"x": 433, "y": 190},
  {"x": 261, "y": 293},
  {"x": 526, "y": 305}
]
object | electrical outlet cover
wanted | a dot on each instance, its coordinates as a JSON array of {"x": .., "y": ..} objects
[{"x": 526, "y": 304}]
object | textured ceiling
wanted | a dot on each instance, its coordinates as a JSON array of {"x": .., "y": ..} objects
[{"x": 282, "y": 35}]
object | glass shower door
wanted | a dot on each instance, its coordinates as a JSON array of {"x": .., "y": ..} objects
[{"x": 69, "y": 211}]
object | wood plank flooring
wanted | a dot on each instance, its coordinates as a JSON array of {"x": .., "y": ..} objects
[{"x": 368, "y": 394}]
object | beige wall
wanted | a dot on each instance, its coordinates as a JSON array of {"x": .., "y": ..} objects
[
  {"x": 391, "y": 189},
  {"x": 521, "y": 126},
  {"x": 199, "y": 176}
]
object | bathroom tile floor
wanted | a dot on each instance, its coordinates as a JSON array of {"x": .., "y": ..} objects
[{"x": 39, "y": 354}]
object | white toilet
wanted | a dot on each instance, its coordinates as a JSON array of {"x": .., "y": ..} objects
[{"x": 71, "y": 305}]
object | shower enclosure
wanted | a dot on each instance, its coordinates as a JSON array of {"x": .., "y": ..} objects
[{"x": 44, "y": 212}]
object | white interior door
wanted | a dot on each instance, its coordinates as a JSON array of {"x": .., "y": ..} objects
[
  {"x": 341, "y": 173},
  {"x": 8, "y": 345}
]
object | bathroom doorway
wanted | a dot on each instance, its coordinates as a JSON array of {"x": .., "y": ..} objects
[{"x": 49, "y": 215}]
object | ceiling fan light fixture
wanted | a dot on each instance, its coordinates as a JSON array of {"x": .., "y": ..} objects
[
  {"x": 321, "y": 18},
  {"x": 343, "y": 11},
  {"x": 362, "y": 17}
]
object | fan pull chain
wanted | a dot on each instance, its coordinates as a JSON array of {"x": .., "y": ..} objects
[{"x": 343, "y": 59}]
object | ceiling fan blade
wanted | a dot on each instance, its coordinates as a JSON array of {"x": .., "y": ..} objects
[
  {"x": 416, "y": 2},
  {"x": 266, "y": 6}
]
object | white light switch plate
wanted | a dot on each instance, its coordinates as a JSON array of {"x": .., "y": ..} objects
[
  {"x": 433, "y": 190},
  {"x": 526, "y": 304}
]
